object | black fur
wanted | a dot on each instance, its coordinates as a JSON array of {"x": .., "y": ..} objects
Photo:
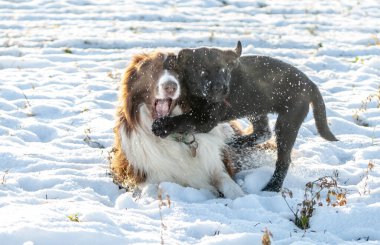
[{"x": 223, "y": 86}]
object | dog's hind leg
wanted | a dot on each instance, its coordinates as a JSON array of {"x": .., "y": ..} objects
[
  {"x": 261, "y": 133},
  {"x": 261, "y": 128},
  {"x": 286, "y": 129}
]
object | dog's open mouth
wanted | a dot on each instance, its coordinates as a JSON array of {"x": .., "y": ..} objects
[{"x": 162, "y": 107}]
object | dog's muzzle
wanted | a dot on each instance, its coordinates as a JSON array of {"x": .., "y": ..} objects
[
  {"x": 218, "y": 92},
  {"x": 168, "y": 91}
]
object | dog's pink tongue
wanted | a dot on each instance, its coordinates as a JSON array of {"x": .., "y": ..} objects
[{"x": 162, "y": 108}]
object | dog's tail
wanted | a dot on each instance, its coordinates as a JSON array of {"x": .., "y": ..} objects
[{"x": 319, "y": 111}]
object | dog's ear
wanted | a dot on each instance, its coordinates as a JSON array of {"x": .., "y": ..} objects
[
  {"x": 184, "y": 55},
  {"x": 238, "y": 49},
  {"x": 175, "y": 62},
  {"x": 232, "y": 56}
]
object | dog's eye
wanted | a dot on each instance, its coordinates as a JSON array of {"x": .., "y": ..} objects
[
  {"x": 232, "y": 64},
  {"x": 203, "y": 73}
]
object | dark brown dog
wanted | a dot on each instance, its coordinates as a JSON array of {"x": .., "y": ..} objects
[{"x": 224, "y": 86}]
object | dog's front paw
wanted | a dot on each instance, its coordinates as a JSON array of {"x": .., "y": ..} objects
[{"x": 162, "y": 127}]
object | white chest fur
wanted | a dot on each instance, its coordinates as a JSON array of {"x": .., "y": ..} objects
[{"x": 169, "y": 160}]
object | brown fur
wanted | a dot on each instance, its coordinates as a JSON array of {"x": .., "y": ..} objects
[
  {"x": 238, "y": 128},
  {"x": 227, "y": 160},
  {"x": 130, "y": 98},
  {"x": 127, "y": 113}
]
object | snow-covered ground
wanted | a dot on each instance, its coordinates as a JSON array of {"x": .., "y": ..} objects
[{"x": 60, "y": 63}]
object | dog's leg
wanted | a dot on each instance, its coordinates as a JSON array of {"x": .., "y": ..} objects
[
  {"x": 261, "y": 128},
  {"x": 184, "y": 123},
  {"x": 199, "y": 121},
  {"x": 261, "y": 133},
  {"x": 227, "y": 186},
  {"x": 287, "y": 127}
]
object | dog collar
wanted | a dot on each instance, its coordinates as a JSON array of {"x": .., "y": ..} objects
[{"x": 189, "y": 140}]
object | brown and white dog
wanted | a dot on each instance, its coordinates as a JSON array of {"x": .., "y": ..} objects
[{"x": 149, "y": 92}]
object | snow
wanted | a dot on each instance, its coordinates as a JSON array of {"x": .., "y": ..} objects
[{"x": 60, "y": 64}]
